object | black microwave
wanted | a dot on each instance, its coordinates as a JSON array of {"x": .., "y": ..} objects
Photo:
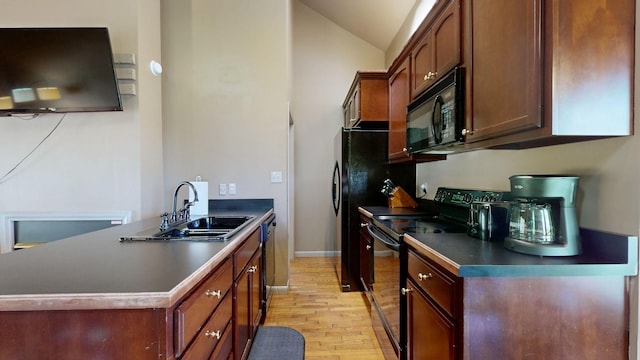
[{"x": 435, "y": 119}]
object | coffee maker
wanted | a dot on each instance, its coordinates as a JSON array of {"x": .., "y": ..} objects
[{"x": 542, "y": 215}]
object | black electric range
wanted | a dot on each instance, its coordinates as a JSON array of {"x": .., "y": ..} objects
[{"x": 389, "y": 258}]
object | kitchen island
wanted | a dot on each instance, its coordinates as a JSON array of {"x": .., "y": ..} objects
[
  {"x": 92, "y": 296},
  {"x": 472, "y": 299}
]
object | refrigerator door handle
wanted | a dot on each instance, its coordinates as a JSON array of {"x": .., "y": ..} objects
[{"x": 335, "y": 191}]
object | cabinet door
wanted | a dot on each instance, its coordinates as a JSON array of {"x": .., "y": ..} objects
[
  {"x": 248, "y": 305},
  {"x": 506, "y": 72},
  {"x": 399, "y": 97},
  {"x": 446, "y": 40},
  {"x": 256, "y": 292},
  {"x": 422, "y": 69},
  {"x": 430, "y": 334},
  {"x": 438, "y": 51},
  {"x": 366, "y": 257}
]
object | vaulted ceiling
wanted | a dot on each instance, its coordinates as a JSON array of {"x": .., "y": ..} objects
[{"x": 375, "y": 21}]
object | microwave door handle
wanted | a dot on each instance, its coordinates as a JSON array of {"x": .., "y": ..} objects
[{"x": 436, "y": 126}]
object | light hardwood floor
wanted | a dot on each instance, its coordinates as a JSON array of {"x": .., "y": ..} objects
[{"x": 335, "y": 325}]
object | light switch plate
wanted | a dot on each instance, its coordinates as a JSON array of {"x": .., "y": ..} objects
[
  {"x": 222, "y": 189},
  {"x": 276, "y": 177}
]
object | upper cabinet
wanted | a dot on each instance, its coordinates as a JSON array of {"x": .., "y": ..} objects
[
  {"x": 437, "y": 50},
  {"x": 367, "y": 102},
  {"x": 399, "y": 98},
  {"x": 548, "y": 72}
]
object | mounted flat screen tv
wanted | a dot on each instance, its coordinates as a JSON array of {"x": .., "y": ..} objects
[{"x": 57, "y": 70}]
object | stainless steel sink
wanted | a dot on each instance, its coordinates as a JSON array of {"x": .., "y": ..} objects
[{"x": 210, "y": 228}]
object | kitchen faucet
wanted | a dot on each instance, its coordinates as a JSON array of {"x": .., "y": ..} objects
[{"x": 184, "y": 213}]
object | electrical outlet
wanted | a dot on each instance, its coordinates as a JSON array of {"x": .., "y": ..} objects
[
  {"x": 232, "y": 189},
  {"x": 423, "y": 190},
  {"x": 222, "y": 189}
]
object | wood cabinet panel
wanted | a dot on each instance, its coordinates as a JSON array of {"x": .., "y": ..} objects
[
  {"x": 211, "y": 333},
  {"x": 433, "y": 282},
  {"x": 399, "y": 98},
  {"x": 431, "y": 335},
  {"x": 438, "y": 50},
  {"x": 507, "y": 66},
  {"x": 545, "y": 72},
  {"x": 85, "y": 334},
  {"x": 247, "y": 297},
  {"x": 191, "y": 314},
  {"x": 553, "y": 317},
  {"x": 366, "y": 104}
]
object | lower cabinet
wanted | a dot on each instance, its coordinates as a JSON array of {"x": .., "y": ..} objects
[
  {"x": 431, "y": 328},
  {"x": 247, "y": 294},
  {"x": 504, "y": 317},
  {"x": 203, "y": 315}
]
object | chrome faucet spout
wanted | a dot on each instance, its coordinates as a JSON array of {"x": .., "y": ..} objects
[{"x": 174, "y": 213}]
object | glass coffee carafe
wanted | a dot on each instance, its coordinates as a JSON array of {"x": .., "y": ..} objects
[{"x": 531, "y": 222}]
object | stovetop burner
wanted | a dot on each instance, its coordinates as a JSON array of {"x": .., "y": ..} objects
[{"x": 454, "y": 209}]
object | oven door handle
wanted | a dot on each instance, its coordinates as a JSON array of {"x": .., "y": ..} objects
[{"x": 373, "y": 231}]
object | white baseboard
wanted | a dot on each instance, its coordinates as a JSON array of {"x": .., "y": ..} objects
[{"x": 315, "y": 253}]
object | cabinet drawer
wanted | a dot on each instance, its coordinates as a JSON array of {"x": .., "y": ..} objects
[
  {"x": 212, "y": 332},
  {"x": 224, "y": 350},
  {"x": 242, "y": 256},
  {"x": 196, "y": 308},
  {"x": 436, "y": 284}
]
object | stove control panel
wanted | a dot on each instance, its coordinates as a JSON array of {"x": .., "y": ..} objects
[{"x": 464, "y": 197}]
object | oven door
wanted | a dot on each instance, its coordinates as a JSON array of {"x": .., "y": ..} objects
[{"x": 387, "y": 277}]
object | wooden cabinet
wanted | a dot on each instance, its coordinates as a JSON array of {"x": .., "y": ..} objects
[
  {"x": 552, "y": 317},
  {"x": 438, "y": 49},
  {"x": 431, "y": 325},
  {"x": 366, "y": 255},
  {"x": 193, "y": 317},
  {"x": 547, "y": 72},
  {"x": 247, "y": 294},
  {"x": 399, "y": 98},
  {"x": 366, "y": 104}
]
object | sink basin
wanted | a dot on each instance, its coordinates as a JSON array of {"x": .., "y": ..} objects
[{"x": 211, "y": 228}]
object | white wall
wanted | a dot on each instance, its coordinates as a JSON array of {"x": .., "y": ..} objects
[
  {"x": 94, "y": 161},
  {"x": 225, "y": 100},
  {"x": 325, "y": 60}
]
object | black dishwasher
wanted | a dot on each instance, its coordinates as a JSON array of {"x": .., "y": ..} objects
[{"x": 267, "y": 234}]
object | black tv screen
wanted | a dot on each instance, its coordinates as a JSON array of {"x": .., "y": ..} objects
[{"x": 45, "y": 70}]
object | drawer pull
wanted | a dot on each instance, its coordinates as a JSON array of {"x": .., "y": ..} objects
[
  {"x": 253, "y": 269},
  {"x": 422, "y": 276},
  {"x": 368, "y": 247},
  {"x": 213, "y": 334},
  {"x": 404, "y": 291},
  {"x": 216, "y": 293}
]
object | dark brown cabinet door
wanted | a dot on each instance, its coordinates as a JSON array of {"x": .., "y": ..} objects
[
  {"x": 438, "y": 51},
  {"x": 248, "y": 306},
  {"x": 506, "y": 74},
  {"x": 430, "y": 334},
  {"x": 399, "y": 97},
  {"x": 366, "y": 257}
]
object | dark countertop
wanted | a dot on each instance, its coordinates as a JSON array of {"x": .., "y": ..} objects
[
  {"x": 604, "y": 254},
  {"x": 97, "y": 271}
]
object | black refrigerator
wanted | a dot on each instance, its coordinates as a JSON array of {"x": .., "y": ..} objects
[{"x": 360, "y": 169}]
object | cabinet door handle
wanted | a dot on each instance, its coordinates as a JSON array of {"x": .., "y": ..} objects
[
  {"x": 422, "y": 276},
  {"x": 404, "y": 291},
  {"x": 213, "y": 334},
  {"x": 364, "y": 224},
  {"x": 216, "y": 293},
  {"x": 368, "y": 247},
  {"x": 430, "y": 75},
  {"x": 253, "y": 269}
]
